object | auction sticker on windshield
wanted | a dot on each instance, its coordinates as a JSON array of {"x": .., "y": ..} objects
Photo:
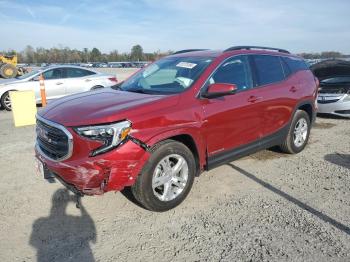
[{"x": 186, "y": 65}]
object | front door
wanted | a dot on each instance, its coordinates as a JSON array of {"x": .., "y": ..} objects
[{"x": 234, "y": 120}]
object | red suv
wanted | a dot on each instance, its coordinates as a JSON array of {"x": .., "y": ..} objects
[{"x": 183, "y": 114}]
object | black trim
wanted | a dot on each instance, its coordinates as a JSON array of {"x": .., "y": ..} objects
[
  {"x": 188, "y": 50},
  {"x": 139, "y": 143},
  {"x": 266, "y": 142},
  {"x": 249, "y": 47}
]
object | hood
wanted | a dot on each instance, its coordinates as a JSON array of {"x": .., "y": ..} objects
[
  {"x": 9, "y": 81},
  {"x": 331, "y": 68},
  {"x": 103, "y": 106}
]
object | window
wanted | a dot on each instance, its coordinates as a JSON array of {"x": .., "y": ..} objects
[
  {"x": 268, "y": 69},
  {"x": 295, "y": 64},
  {"x": 236, "y": 71},
  {"x": 286, "y": 69},
  {"x": 77, "y": 72},
  {"x": 56, "y": 73},
  {"x": 169, "y": 75}
]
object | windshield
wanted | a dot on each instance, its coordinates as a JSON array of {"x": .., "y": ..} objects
[
  {"x": 170, "y": 75},
  {"x": 336, "y": 80},
  {"x": 34, "y": 72}
]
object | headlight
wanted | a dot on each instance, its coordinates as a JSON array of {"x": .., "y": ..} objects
[
  {"x": 347, "y": 98},
  {"x": 110, "y": 135}
]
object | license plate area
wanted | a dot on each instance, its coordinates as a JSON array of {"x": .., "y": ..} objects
[{"x": 42, "y": 170}]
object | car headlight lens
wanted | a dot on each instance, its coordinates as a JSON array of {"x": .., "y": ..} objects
[
  {"x": 347, "y": 98},
  {"x": 110, "y": 135}
]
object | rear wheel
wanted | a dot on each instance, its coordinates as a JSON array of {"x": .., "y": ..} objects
[
  {"x": 6, "y": 101},
  {"x": 8, "y": 71},
  {"x": 167, "y": 177},
  {"x": 298, "y": 134}
]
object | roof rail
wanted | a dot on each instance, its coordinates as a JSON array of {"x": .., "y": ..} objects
[
  {"x": 249, "y": 47},
  {"x": 187, "y": 50}
]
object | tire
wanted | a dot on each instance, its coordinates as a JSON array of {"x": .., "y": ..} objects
[
  {"x": 96, "y": 87},
  {"x": 296, "y": 140},
  {"x": 6, "y": 102},
  {"x": 173, "y": 187},
  {"x": 8, "y": 71}
]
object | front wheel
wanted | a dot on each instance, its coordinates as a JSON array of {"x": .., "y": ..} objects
[
  {"x": 298, "y": 134},
  {"x": 6, "y": 101},
  {"x": 167, "y": 178}
]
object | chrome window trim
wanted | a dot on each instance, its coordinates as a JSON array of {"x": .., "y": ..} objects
[
  {"x": 214, "y": 71},
  {"x": 62, "y": 128},
  {"x": 198, "y": 95}
]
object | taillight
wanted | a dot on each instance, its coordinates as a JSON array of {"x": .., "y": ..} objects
[
  {"x": 317, "y": 83},
  {"x": 113, "y": 79}
]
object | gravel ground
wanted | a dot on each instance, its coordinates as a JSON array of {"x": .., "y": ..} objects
[{"x": 265, "y": 207}]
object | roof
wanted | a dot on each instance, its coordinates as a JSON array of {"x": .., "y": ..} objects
[{"x": 217, "y": 53}]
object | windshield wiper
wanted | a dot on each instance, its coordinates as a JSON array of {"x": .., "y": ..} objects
[
  {"x": 117, "y": 86},
  {"x": 137, "y": 90}
]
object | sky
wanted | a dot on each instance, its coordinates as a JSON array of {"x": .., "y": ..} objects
[{"x": 299, "y": 26}]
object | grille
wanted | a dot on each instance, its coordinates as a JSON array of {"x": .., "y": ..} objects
[
  {"x": 342, "y": 111},
  {"x": 52, "y": 141},
  {"x": 327, "y": 101}
]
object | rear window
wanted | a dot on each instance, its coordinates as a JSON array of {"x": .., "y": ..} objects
[
  {"x": 268, "y": 69},
  {"x": 295, "y": 64},
  {"x": 77, "y": 72}
]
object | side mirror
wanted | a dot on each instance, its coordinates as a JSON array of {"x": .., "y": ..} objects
[{"x": 220, "y": 89}]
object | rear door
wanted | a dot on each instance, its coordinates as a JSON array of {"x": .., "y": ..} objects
[
  {"x": 278, "y": 92},
  {"x": 233, "y": 120},
  {"x": 79, "y": 80}
]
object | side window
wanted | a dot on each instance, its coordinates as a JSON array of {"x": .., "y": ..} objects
[
  {"x": 295, "y": 64},
  {"x": 53, "y": 74},
  {"x": 268, "y": 69},
  {"x": 77, "y": 72},
  {"x": 286, "y": 69},
  {"x": 236, "y": 71}
]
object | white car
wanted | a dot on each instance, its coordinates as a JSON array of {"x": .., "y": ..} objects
[{"x": 59, "y": 81}]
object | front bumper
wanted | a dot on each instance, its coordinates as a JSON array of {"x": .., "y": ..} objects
[
  {"x": 339, "y": 108},
  {"x": 111, "y": 171}
]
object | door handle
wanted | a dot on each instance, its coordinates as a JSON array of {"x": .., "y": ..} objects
[
  {"x": 253, "y": 99},
  {"x": 59, "y": 83},
  {"x": 87, "y": 80},
  {"x": 293, "y": 89}
]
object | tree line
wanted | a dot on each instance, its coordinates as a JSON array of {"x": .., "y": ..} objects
[
  {"x": 324, "y": 55},
  {"x": 31, "y": 55}
]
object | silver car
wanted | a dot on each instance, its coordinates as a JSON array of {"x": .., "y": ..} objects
[
  {"x": 334, "y": 93},
  {"x": 59, "y": 81},
  {"x": 334, "y": 96}
]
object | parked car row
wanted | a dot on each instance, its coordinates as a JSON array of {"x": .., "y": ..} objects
[
  {"x": 59, "y": 81},
  {"x": 129, "y": 64}
]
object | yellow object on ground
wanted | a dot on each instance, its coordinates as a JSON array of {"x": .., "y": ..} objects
[{"x": 23, "y": 107}]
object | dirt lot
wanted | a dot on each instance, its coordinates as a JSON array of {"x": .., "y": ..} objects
[
  {"x": 121, "y": 73},
  {"x": 265, "y": 207}
]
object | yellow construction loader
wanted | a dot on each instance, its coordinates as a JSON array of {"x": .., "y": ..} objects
[{"x": 8, "y": 66}]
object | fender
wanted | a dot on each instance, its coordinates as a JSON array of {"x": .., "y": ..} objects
[
  {"x": 303, "y": 103},
  {"x": 194, "y": 133}
]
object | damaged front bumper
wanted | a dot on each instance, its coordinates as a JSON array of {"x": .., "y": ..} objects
[{"x": 112, "y": 171}]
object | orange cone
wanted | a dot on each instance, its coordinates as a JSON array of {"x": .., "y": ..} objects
[{"x": 42, "y": 90}]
